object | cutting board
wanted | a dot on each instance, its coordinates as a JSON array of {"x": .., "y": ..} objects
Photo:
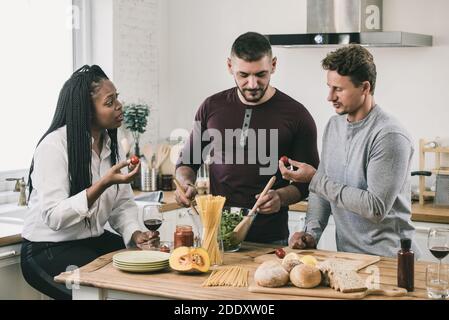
[
  {"x": 360, "y": 261},
  {"x": 326, "y": 292}
]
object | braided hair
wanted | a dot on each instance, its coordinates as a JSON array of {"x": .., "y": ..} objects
[{"x": 74, "y": 110}]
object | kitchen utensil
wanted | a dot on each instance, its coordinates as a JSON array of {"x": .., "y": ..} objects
[
  {"x": 162, "y": 153},
  {"x": 180, "y": 188},
  {"x": 147, "y": 151},
  {"x": 125, "y": 145},
  {"x": 240, "y": 231}
]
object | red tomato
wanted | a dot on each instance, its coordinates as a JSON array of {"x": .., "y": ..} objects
[
  {"x": 280, "y": 253},
  {"x": 135, "y": 160},
  {"x": 284, "y": 159}
]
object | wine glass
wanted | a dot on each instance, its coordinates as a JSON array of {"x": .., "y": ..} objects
[
  {"x": 152, "y": 217},
  {"x": 438, "y": 244}
]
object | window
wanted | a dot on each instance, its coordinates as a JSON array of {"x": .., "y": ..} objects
[{"x": 36, "y": 57}]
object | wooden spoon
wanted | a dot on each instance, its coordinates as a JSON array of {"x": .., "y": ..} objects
[
  {"x": 163, "y": 151},
  {"x": 147, "y": 151},
  {"x": 180, "y": 188},
  {"x": 240, "y": 231}
]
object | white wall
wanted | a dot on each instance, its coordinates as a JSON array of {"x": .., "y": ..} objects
[
  {"x": 102, "y": 35},
  {"x": 129, "y": 41},
  {"x": 411, "y": 83}
]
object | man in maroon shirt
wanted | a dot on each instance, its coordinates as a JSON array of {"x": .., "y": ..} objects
[{"x": 245, "y": 130}]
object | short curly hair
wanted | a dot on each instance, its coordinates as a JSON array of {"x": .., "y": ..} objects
[{"x": 354, "y": 61}]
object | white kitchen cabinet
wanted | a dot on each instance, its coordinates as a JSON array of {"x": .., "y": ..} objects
[
  {"x": 13, "y": 285},
  {"x": 296, "y": 222},
  {"x": 327, "y": 240}
]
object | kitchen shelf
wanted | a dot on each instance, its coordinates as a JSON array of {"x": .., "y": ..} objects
[
  {"x": 444, "y": 172},
  {"x": 438, "y": 169},
  {"x": 436, "y": 150}
]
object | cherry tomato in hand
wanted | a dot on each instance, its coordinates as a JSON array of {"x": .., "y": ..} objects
[
  {"x": 135, "y": 160},
  {"x": 280, "y": 253},
  {"x": 284, "y": 159}
]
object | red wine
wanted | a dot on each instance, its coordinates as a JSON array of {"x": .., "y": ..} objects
[
  {"x": 439, "y": 252},
  {"x": 153, "y": 224}
]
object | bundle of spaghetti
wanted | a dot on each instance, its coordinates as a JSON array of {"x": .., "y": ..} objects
[
  {"x": 210, "y": 214},
  {"x": 231, "y": 276}
]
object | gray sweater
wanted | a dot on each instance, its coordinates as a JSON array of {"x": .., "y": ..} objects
[{"x": 363, "y": 180}]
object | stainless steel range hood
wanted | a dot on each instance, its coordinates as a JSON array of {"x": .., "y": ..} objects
[{"x": 340, "y": 22}]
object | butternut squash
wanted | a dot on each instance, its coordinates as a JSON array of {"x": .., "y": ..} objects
[{"x": 189, "y": 260}]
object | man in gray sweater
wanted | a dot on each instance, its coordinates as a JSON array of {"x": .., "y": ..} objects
[{"x": 363, "y": 179}]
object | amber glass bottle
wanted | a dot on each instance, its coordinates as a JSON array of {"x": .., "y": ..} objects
[{"x": 406, "y": 265}]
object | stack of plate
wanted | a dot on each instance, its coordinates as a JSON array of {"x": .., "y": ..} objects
[{"x": 141, "y": 261}]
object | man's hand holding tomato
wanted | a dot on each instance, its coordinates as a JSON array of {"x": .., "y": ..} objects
[{"x": 304, "y": 172}]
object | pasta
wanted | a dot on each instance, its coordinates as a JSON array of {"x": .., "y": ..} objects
[
  {"x": 210, "y": 213},
  {"x": 231, "y": 276}
]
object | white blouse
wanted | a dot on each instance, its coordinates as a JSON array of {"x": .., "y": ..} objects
[{"x": 55, "y": 216}]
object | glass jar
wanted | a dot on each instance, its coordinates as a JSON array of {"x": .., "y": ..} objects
[
  {"x": 213, "y": 244},
  {"x": 167, "y": 182},
  {"x": 183, "y": 236}
]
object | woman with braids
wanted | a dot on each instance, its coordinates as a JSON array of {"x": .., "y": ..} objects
[{"x": 77, "y": 184}]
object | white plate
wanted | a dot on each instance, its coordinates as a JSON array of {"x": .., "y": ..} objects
[
  {"x": 141, "y": 265},
  {"x": 140, "y": 269},
  {"x": 141, "y": 257}
]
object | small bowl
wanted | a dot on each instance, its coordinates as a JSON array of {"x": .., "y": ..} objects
[{"x": 163, "y": 246}]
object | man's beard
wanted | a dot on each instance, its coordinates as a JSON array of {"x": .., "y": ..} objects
[{"x": 252, "y": 98}]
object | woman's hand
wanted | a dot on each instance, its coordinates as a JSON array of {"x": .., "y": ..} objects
[
  {"x": 304, "y": 172},
  {"x": 148, "y": 238},
  {"x": 115, "y": 176}
]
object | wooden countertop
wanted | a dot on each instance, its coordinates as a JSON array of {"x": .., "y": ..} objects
[
  {"x": 169, "y": 284},
  {"x": 13, "y": 239},
  {"x": 429, "y": 213}
]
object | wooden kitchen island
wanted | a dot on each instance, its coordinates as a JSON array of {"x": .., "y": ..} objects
[{"x": 100, "y": 280}]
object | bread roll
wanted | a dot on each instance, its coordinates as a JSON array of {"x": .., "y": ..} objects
[
  {"x": 271, "y": 274},
  {"x": 290, "y": 261},
  {"x": 305, "y": 276}
]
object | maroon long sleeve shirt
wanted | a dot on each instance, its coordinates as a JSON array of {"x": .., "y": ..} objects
[{"x": 293, "y": 134}]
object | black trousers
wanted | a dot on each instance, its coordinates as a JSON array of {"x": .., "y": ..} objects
[{"x": 42, "y": 261}]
